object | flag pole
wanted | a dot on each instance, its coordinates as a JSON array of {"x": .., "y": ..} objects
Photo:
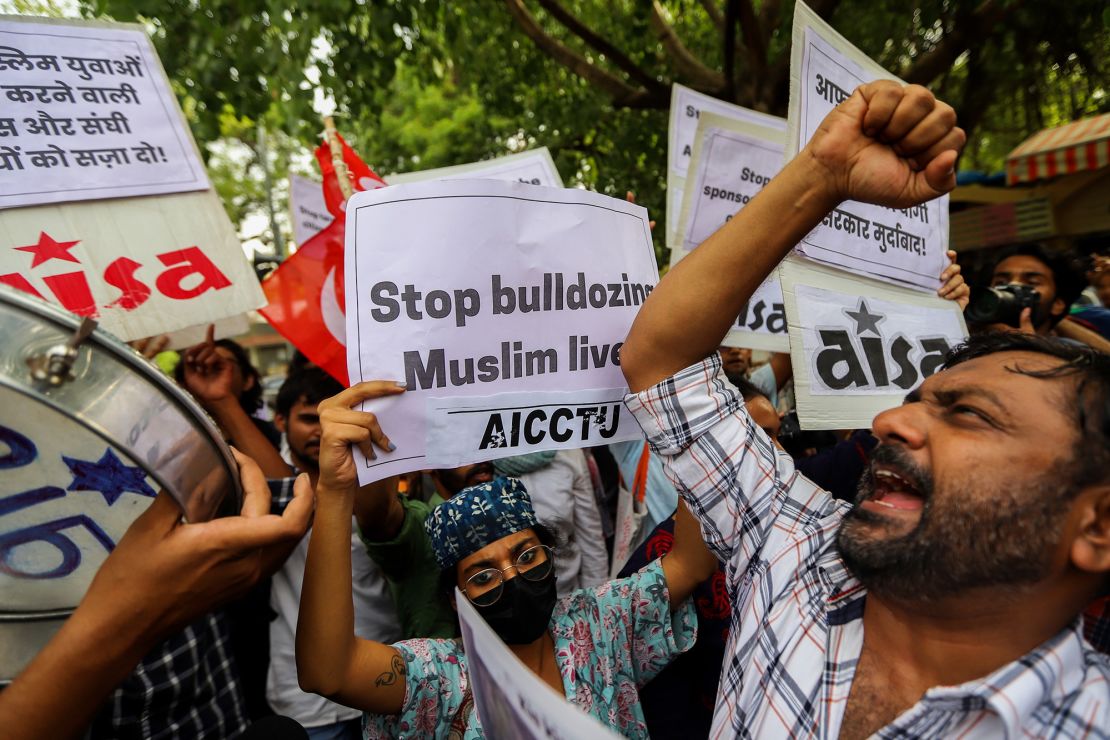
[{"x": 341, "y": 172}]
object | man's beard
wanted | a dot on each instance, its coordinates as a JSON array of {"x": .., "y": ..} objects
[
  {"x": 975, "y": 538},
  {"x": 307, "y": 459}
]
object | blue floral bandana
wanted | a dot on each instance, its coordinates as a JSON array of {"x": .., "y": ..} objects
[{"x": 477, "y": 516}]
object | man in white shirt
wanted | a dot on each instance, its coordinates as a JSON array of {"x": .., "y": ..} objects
[{"x": 375, "y": 616}]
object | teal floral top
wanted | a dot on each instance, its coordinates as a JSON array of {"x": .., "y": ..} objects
[{"x": 609, "y": 641}]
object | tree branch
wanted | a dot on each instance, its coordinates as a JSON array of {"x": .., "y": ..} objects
[
  {"x": 973, "y": 29},
  {"x": 714, "y": 13},
  {"x": 732, "y": 20},
  {"x": 753, "y": 39},
  {"x": 770, "y": 14},
  {"x": 685, "y": 63},
  {"x": 621, "y": 93},
  {"x": 612, "y": 53}
]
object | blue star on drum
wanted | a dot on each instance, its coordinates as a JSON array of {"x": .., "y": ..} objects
[{"x": 109, "y": 476}]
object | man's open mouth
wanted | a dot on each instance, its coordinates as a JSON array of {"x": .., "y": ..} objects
[{"x": 893, "y": 490}]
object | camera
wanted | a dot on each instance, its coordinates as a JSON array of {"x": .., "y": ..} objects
[{"x": 1002, "y": 304}]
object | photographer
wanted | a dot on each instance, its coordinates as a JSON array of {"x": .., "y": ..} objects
[{"x": 1030, "y": 291}]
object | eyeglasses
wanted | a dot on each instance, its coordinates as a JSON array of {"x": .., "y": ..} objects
[{"x": 485, "y": 587}]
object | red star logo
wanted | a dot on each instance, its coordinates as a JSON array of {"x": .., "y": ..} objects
[{"x": 48, "y": 249}]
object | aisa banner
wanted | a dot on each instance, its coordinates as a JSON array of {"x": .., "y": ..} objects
[{"x": 502, "y": 307}]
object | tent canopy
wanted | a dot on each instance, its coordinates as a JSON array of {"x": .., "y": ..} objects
[{"x": 1064, "y": 150}]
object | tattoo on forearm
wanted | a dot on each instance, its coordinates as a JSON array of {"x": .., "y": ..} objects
[{"x": 397, "y": 669}]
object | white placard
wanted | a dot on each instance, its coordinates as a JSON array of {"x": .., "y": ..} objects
[
  {"x": 762, "y": 322},
  {"x": 732, "y": 162},
  {"x": 307, "y": 208},
  {"x": 87, "y": 113},
  {"x": 686, "y": 106},
  {"x": 466, "y": 430},
  {"x": 534, "y": 167},
  {"x": 512, "y": 701},
  {"x": 905, "y": 246},
  {"x": 494, "y": 293},
  {"x": 140, "y": 266},
  {"x": 858, "y": 347}
]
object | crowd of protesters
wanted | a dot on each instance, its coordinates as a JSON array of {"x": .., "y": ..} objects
[{"x": 943, "y": 573}]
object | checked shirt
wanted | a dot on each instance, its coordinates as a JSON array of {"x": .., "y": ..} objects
[{"x": 796, "y": 626}]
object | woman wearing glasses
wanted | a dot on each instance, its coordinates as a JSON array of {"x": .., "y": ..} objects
[{"x": 596, "y": 646}]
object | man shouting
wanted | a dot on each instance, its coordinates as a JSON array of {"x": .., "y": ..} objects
[{"x": 944, "y": 601}]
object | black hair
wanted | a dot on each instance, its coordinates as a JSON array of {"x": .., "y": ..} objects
[
  {"x": 448, "y": 578},
  {"x": 299, "y": 362},
  {"x": 1091, "y": 400},
  {"x": 1069, "y": 281},
  {"x": 251, "y": 398},
  {"x": 310, "y": 385}
]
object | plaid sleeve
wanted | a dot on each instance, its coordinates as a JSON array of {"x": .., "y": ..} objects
[
  {"x": 742, "y": 488},
  {"x": 281, "y": 493}
]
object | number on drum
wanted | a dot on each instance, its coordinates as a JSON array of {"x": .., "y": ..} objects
[{"x": 22, "y": 451}]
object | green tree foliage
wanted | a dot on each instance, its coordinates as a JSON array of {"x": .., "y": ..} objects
[{"x": 424, "y": 83}]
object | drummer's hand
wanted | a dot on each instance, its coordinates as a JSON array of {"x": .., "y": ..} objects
[
  {"x": 208, "y": 375},
  {"x": 150, "y": 347},
  {"x": 953, "y": 287},
  {"x": 341, "y": 426},
  {"x": 164, "y": 573}
]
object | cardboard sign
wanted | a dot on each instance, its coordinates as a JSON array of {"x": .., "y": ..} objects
[
  {"x": 534, "y": 167},
  {"x": 858, "y": 347},
  {"x": 88, "y": 113},
  {"x": 502, "y": 307},
  {"x": 905, "y": 246},
  {"x": 511, "y": 700},
  {"x": 686, "y": 107},
  {"x": 140, "y": 266},
  {"x": 732, "y": 161},
  {"x": 307, "y": 209}
]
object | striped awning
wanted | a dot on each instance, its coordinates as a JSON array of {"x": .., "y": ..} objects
[{"x": 1074, "y": 147}]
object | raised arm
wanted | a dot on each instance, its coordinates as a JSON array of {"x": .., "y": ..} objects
[
  {"x": 378, "y": 511},
  {"x": 689, "y": 562},
  {"x": 331, "y": 660},
  {"x": 208, "y": 376},
  {"x": 886, "y": 144}
]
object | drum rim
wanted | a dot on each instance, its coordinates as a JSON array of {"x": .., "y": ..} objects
[
  {"x": 104, "y": 339},
  {"x": 40, "y": 616}
]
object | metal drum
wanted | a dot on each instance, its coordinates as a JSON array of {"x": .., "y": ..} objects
[{"x": 89, "y": 432}]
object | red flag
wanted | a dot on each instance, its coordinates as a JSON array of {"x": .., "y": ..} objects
[
  {"x": 305, "y": 300},
  {"x": 362, "y": 177},
  {"x": 305, "y": 293}
]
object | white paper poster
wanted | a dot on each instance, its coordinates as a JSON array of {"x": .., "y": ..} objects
[
  {"x": 686, "y": 106},
  {"x": 732, "y": 161},
  {"x": 512, "y": 701},
  {"x": 503, "y": 307},
  {"x": 904, "y": 246},
  {"x": 859, "y": 347},
  {"x": 307, "y": 207},
  {"x": 86, "y": 113},
  {"x": 731, "y": 164},
  {"x": 762, "y": 322},
  {"x": 534, "y": 167}
]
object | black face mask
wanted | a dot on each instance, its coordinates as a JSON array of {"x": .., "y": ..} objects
[{"x": 523, "y": 612}]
